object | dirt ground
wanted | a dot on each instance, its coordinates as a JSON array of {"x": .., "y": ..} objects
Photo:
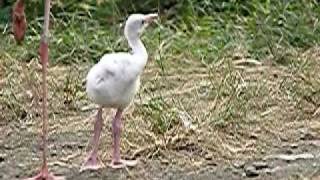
[
  {"x": 265, "y": 127},
  {"x": 19, "y": 160}
]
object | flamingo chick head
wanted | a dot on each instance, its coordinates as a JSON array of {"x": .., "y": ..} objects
[{"x": 136, "y": 23}]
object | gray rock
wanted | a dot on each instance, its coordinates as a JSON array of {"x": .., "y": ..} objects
[
  {"x": 294, "y": 146},
  {"x": 260, "y": 165},
  {"x": 307, "y": 135},
  {"x": 315, "y": 143},
  {"x": 291, "y": 157},
  {"x": 273, "y": 170},
  {"x": 251, "y": 171},
  {"x": 2, "y": 158},
  {"x": 239, "y": 164}
]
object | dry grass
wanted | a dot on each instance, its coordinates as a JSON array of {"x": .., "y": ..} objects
[{"x": 204, "y": 114}]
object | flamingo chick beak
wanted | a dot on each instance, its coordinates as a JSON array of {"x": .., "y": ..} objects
[{"x": 150, "y": 18}]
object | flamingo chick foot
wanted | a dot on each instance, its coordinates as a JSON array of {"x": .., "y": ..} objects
[
  {"x": 92, "y": 163},
  {"x": 123, "y": 163},
  {"x": 46, "y": 176}
]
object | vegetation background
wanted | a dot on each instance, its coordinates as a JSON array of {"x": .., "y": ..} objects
[{"x": 228, "y": 84}]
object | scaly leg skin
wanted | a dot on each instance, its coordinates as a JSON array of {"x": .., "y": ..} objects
[
  {"x": 45, "y": 175},
  {"x": 92, "y": 162},
  {"x": 49, "y": 176},
  {"x": 117, "y": 162}
]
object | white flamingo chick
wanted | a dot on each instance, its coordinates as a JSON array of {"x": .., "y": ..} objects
[{"x": 112, "y": 83}]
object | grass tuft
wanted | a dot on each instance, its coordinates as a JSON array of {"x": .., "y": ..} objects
[{"x": 219, "y": 74}]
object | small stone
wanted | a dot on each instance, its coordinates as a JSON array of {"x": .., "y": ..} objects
[
  {"x": 29, "y": 93},
  {"x": 208, "y": 156},
  {"x": 68, "y": 146},
  {"x": 308, "y": 136},
  {"x": 2, "y": 158},
  {"x": 315, "y": 143},
  {"x": 251, "y": 171},
  {"x": 273, "y": 170},
  {"x": 7, "y": 147},
  {"x": 239, "y": 164},
  {"x": 165, "y": 161},
  {"x": 289, "y": 151},
  {"x": 211, "y": 163},
  {"x": 260, "y": 165},
  {"x": 253, "y": 136},
  {"x": 236, "y": 171},
  {"x": 80, "y": 146},
  {"x": 314, "y": 165},
  {"x": 294, "y": 146},
  {"x": 21, "y": 165},
  {"x": 53, "y": 153},
  {"x": 284, "y": 139}
]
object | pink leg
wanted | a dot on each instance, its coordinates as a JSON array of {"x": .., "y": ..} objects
[
  {"x": 45, "y": 175},
  {"x": 92, "y": 161},
  {"x": 117, "y": 162}
]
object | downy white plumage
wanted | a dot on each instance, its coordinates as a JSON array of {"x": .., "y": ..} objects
[{"x": 113, "y": 82}]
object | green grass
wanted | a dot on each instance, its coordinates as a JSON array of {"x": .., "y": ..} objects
[{"x": 205, "y": 31}]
